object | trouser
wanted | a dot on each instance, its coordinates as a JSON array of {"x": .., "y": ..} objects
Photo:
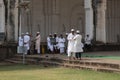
[
  {"x": 62, "y": 50},
  {"x": 71, "y": 54},
  {"x": 78, "y": 55},
  {"x": 38, "y": 51}
]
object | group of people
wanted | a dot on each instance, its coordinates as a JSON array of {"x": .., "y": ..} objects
[
  {"x": 71, "y": 44},
  {"x": 25, "y": 41},
  {"x": 56, "y": 43},
  {"x": 75, "y": 45}
]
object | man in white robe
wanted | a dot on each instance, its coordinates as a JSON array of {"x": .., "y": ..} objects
[
  {"x": 27, "y": 42},
  {"x": 88, "y": 44},
  {"x": 78, "y": 46},
  {"x": 61, "y": 44},
  {"x": 70, "y": 49},
  {"x": 20, "y": 42},
  {"x": 37, "y": 42},
  {"x": 49, "y": 43}
]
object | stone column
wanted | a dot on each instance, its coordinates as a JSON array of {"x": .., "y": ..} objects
[
  {"x": 2, "y": 16},
  {"x": 101, "y": 22},
  {"x": 89, "y": 18},
  {"x": 16, "y": 21},
  {"x": 2, "y": 20},
  {"x": 10, "y": 21}
]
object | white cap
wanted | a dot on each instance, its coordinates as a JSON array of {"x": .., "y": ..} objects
[
  {"x": 27, "y": 33},
  {"x": 77, "y": 31},
  {"x": 66, "y": 33},
  {"x": 38, "y": 32},
  {"x": 50, "y": 34},
  {"x": 72, "y": 30}
]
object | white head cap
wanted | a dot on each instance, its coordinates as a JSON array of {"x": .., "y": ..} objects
[
  {"x": 72, "y": 30},
  {"x": 55, "y": 33},
  {"x": 77, "y": 31},
  {"x": 27, "y": 33},
  {"x": 66, "y": 33},
  {"x": 38, "y": 32}
]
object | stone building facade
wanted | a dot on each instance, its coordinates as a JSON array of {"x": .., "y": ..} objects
[{"x": 59, "y": 16}]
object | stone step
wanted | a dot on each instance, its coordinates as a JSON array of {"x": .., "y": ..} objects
[
  {"x": 93, "y": 68},
  {"x": 13, "y": 61},
  {"x": 51, "y": 63},
  {"x": 75, "y": 62},
  {"x": 94, "y": 63},
  {"x": 47, "y": 63}
]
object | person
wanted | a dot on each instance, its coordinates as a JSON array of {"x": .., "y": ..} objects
[
  {"x": 20, "y": 42},
  {"x": 49, "y": 43},
  {"x": 70, "y": 49},
  {"x": 37, "y": 42},
  {"x": 55, "y": 43},
  {"x": 61, "y": 44},
  {"x": 78, "y": 46},
  {"x": 66, "y": 42},
  {"x": 87, "y": 43},
  {"x": 27, "y": 42}
]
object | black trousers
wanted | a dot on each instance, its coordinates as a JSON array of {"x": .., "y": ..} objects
[{"x": 78, "y": 55}]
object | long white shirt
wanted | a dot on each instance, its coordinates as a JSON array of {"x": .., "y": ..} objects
[
  {"x": 70, "y": 42},
  {"x": 61, "y": 42},
  {"x": 78, "y": 46},
  {"x": 50, "y": 46},
  {"x": 27, "y": 41},
  {"x": 37, "y": 42},
  {"x": 20, "y": 42},
  {"x": 87, "y": 40}
]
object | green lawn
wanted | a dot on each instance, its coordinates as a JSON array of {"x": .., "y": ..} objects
[{"x": 36, "y": 72}]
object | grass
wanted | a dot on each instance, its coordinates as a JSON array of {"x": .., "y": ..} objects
[{"x": 37, "y": 72}]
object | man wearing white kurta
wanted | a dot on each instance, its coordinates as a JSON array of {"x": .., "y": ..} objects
[
  {"x": 55, "y": 43},
  {"x": 87, "y": 43},
  {"x": 27, "y": 42},
  {"x": 20, "y": 43},
  {"x": 49, "y": 43},
  {"x": 61, "y": 44},
  {"x": 78, "y": 46},
  {"x": 37, "y": 42},
  {"x": 70, "y": 39}
]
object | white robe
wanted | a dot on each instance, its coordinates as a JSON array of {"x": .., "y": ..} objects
[
  {"x": 27, "y": 41},
  {"x": 70, "y": 43},
  {"x": 20, "y": 42},
  {"x": 61, "y": 42},
  {"x": 87, "y": 40},
  {"x": 49, "y": 45},
  {"x": 78, "y": 46},
  {"x": 37, "y": 42}
]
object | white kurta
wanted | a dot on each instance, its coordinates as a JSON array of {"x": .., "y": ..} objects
[
  {"x": 50, "y": 46},
  {"x": 70, "y": 43},
  {"x": 88, "y": 40},
  {"x": 57, "y": 45},
  {"x": 27, "y": 41},
  {"x": 61, "y": 42},
  {"x": 37, "y": 42},
  {"x": 20, "y": 42},
  {"x": 78, "y": 47}
]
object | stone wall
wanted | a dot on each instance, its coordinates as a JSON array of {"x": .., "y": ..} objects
[{"x": 54, "y": 16}]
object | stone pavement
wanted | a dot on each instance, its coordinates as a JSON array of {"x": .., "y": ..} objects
[
  {"x": 105, "y": 53},
  {"x": 104, "y": 60}
]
